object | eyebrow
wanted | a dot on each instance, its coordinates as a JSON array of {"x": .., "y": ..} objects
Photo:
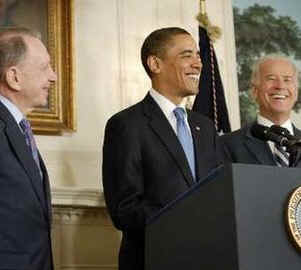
[
  {"x": 188, "y": 51},
  {"x": 283, "y": 76}
]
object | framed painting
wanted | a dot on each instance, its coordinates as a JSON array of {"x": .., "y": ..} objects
[
  {"x": 54, "y": 20},
  {"x": 264, "y": 27}
]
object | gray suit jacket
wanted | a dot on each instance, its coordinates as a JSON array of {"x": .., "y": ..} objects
[
  {"x": 25, "y": 208},
  {"x": 242, "y": 147}
]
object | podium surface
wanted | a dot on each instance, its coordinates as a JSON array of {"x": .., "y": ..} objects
[{"x": 234, "y": 220}]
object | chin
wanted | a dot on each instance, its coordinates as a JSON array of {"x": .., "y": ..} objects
[{"x": 42, "y": 103}]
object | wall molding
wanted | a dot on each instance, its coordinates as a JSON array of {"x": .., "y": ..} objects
[{"x": 67, "y": 196}]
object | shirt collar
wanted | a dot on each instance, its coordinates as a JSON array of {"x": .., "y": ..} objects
[
  {"x": 165, "y": 104},
  {"x": 266, "y": 122}
]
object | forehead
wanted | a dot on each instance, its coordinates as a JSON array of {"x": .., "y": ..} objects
[
  {"x": 280, "y": 67},
  {"x": 35, "y": 48}
]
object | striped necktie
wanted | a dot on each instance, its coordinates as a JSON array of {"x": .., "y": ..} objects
[
  {"x": 30, "y": 141},
  {"x": 185, "y": 138},
  {"x": 281, "y": 156}
]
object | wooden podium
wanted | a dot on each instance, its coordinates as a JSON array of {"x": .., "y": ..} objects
[{"x": 233, "y": 220}]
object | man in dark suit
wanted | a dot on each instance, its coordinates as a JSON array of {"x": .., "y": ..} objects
[
  {"x": 274, "y": 85},
  {"x": 25, "y": 206},
  {"x": 145, "y": 165}
]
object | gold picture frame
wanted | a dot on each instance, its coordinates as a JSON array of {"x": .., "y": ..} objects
[{"x": 59, "y": 114}]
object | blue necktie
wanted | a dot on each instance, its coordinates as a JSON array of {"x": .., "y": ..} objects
[
  {"x": 30, "y": 141},
  {"x": 185, "y": 138}
]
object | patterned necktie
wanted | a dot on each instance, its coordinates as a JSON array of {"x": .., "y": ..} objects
[
  {"x": 30, "y": 141},
  {"x": 281, "y": 157},
  {"x": 185, "y": 138}
]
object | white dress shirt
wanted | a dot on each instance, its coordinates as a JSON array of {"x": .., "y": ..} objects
[{"x": 167, "y": 108}]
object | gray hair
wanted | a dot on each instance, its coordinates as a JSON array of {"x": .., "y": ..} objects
[
  {"x": 13, "y": 47},
  {"x": 256, "y": 66}
]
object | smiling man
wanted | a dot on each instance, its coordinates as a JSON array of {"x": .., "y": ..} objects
[
  {"x": 156, "y": 149},
  {"x": 274, "y": 85},
  {"x": 25, "y": 203}
]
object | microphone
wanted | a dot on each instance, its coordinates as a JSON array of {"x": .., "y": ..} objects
[
  {"x": 268, "y": 134},
  {"x": 292, "y": 140},
  {"x": 282, "y": 131}
]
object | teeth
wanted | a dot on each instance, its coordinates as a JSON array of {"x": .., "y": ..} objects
[
  {"x": 279, "y": 96},
  {"x": 194, "y": 76}
]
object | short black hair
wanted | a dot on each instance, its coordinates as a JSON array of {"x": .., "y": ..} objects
[{"x": 156, "y": 43}]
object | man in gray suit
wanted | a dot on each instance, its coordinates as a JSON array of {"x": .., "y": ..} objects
[
  {"x": 274, "y": 86},
  {"x": 25, "y": 205}
]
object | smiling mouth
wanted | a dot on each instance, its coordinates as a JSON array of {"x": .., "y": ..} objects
[
  {"x": 194, "y": 77},
  {"x": 279, "y": 97}
]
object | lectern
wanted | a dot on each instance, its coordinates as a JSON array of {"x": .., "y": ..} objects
[{"x": 233, "y": 220}]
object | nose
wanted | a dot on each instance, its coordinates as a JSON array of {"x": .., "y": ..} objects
[
  {"x": 279, "y": 83},
  {"x": 53, "y": 76},
  {"x": 197, "y": 63}
]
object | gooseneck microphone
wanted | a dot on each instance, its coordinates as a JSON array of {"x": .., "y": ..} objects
[
  {"x": 281, "y": 137},
  {"x": 270, "y": 134}
]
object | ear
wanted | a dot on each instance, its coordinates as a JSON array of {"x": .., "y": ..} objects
[
  {"x": 154, "y": 64},
  {"x": 12, "y": 77}
]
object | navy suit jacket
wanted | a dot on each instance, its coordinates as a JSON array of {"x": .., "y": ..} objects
[
  {"x": 145, "y": 167},
  {"x": 25, "y": 207},
  {"x": 241, "y": 146}
]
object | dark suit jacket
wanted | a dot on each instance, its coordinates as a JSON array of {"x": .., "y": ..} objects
[
  {"x": 25, "y": 209},
  {"x": 144, "y": 168},
  {"x": 241, "y": 147}
]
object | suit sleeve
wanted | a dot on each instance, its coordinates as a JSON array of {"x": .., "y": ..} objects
[{"x": 123, "y": 179}]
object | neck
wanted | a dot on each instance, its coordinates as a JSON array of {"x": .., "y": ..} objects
[{"x": 276, "y": 119}]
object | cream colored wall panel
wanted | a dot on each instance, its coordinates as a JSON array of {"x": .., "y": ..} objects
[
  {"x": 137, "y": 19},
  {"x": 109, "y": 74},
  {"x": 220, "y": 14},
  {"x": 84, "y": 238},
  {"x": 230, "y": 72},
  {"x": 74, "y": 159},
  {"x": 169, "y": 13},
  {"x": 189, "y": 11}
]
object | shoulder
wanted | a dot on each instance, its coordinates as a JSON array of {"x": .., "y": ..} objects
[
  {"x": 200, "y": 119},
  {"x": 297, "y": 131},
  {"x": 237, "y": 135},
  {"x": 126, "y": 118}
]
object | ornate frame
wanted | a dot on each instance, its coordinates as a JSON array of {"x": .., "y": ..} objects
[{"x": 60, "y": 114}]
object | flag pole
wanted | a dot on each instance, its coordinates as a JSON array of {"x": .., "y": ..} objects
[
  {"x": 214, "y": 32},
  {"x": 203, "y": 7},
  {"x": 211, "y": 99}
]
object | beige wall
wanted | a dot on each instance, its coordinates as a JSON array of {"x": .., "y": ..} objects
[{"x": 109, "y": 77}]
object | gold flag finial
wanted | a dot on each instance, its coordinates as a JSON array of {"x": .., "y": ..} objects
[
  {"x": 203, "y": 7},
  {"x": 214, "y": 32}
]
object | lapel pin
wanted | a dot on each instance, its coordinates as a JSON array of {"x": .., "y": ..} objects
[{"x": 197, "y": 128}]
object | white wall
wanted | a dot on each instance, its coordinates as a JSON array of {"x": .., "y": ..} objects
[{"x": 109, "y": 76}]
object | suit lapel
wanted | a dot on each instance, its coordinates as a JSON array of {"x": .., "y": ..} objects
[
  {"x": 20, "y": 148},
  {"x": 297, "y": 132},
  {"x": 259, "y": 149},
  {"x": 46, "y": 188},
  {"x": 160, "y": 125},
  {"x": 198, "y": 138}
]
